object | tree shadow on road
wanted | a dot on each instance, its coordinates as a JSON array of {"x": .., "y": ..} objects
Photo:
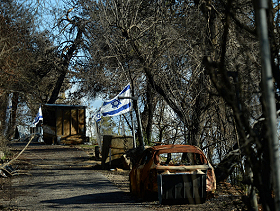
[{"x": 100, "y": 198}]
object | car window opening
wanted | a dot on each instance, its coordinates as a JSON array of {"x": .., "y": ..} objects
[{"x": 178, "y": 159}]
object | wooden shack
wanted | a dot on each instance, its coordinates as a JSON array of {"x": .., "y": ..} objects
[{"x": 64, "y": 124}]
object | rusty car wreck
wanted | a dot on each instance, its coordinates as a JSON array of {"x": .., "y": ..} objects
[{"x": 174, "y": 173}]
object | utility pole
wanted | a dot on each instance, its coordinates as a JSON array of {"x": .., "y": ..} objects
[{"x": 269, "y": 99}]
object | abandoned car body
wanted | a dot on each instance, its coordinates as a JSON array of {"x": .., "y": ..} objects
[{"x": 182, "y": 161}]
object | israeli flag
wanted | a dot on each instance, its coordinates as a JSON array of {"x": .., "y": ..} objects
[
  {"x": 97, "y": 116},
  {"x": 118, "y": 105},
  {"x": 38, "y": 117}
]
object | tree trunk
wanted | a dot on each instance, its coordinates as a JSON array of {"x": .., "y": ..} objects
[
  {"x": 148, "y": 113},
  {"x": 3, "y": 109},
  {"x": 64, "y": 68},
  {"x": 12, "y": 125}
]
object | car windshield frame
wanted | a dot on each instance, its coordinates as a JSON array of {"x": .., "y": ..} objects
[{"x": 179, "y": 149}]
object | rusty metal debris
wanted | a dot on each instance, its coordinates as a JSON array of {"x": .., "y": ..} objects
[{"x": 184, "y": 166}]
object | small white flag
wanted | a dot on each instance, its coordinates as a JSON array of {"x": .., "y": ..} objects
[
  {"x": 118, "y": 106},
  {"x": 38, "y": 117}
]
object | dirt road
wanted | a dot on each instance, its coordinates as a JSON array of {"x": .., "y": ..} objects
[{"x": 62, "y": 178}]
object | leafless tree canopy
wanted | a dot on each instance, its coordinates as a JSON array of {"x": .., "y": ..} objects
[{"x": 194, "y": 66}]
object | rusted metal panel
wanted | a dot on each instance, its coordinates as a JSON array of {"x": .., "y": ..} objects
[{"x": 183, "y": 168}]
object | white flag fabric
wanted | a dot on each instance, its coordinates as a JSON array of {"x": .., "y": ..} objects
[
  {"x": 98, "y": 135},
  {"x": 117, "y": 106},
  {"x": 38, "y": 117},
  {"x": 97, "y": 116}
]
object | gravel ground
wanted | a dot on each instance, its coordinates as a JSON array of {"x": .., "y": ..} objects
[
  {"x": 66, "y": 178},
  {"x": 226, "y": 197}
]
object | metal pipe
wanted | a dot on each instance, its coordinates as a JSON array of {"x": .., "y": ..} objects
[{"x": 133, "y": 131}]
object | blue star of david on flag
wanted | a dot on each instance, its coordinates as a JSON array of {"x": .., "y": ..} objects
[
  {"x": 116, "y": 103},
  {"x": 97, "y": 116},
  {"x": 117, "y": 106}
]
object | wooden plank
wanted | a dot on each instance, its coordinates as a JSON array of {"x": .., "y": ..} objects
[
  {"x": 67, "y": 122},
  {"x": 74, "y": 122},
  {"x": 81, "y": 120},
  {"x": 59, "y": 122}
]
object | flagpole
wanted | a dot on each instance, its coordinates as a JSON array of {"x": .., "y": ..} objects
[
  {"x": 133, "y": 132},
  {"x": 135, "y": 99}
]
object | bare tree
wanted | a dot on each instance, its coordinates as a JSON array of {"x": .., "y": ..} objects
[
  {"x": 28, "y": 62},
  {"x": 201, "y": 57}
]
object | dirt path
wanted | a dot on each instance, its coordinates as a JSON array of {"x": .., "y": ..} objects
[
  {"x": 65, "y": 178},
  {"x": 61, "y": 177}
]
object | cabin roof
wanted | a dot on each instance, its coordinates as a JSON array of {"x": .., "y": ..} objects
[{"x": 65, "y": 106}]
